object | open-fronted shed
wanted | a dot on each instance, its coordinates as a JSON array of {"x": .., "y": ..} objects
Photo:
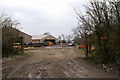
[{"x": 43, "y": 39}]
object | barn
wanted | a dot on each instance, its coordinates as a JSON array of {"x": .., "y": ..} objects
[
  {"x": 24, "y": 37},
  {"x": 42, "y": 39}
]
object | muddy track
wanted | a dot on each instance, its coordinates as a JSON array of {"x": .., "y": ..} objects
[{"x": 52, "y": 63}]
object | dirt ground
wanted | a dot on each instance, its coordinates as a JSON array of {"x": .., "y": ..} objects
[{"x": 51, "y": 63}]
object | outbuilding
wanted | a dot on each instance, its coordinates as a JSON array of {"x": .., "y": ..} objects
[
  {"x": 24, "y": 37},
  {"x": 43, "y": 39}
]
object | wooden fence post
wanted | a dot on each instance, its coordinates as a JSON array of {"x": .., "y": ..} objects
[{"x": 22, "y": 44}]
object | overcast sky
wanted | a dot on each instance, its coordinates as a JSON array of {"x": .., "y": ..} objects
[{"x": 40, "y": 16}]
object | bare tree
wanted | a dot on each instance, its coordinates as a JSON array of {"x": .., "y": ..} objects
[
  {"x": 85, "y": 28},
  {"x": 9, "y": 37},
  {"x": 103, "y": 20},
  {"x": 78, "y": 31},
  {"x": 68, "y": 38},
  {"x": 46, "y": 33}
]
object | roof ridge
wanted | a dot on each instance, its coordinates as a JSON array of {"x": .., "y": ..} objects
[{"x": 39, "y": 36}]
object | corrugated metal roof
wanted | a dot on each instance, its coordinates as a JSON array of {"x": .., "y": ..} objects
[
  {"x": 18, "y": 30},
  {"x": 39, "y": 36}
]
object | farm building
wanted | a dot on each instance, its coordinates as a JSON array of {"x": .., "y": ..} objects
[
  {"x": 42, "y": 39},
  {"x": 25, "y": 38}
]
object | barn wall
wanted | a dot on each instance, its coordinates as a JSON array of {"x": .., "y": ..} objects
[
  {"x": 26, "y": 38},
  {"x": 36, "y": 41}
]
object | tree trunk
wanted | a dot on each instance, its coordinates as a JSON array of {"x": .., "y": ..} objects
[{"x": 86, "y": 45}]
